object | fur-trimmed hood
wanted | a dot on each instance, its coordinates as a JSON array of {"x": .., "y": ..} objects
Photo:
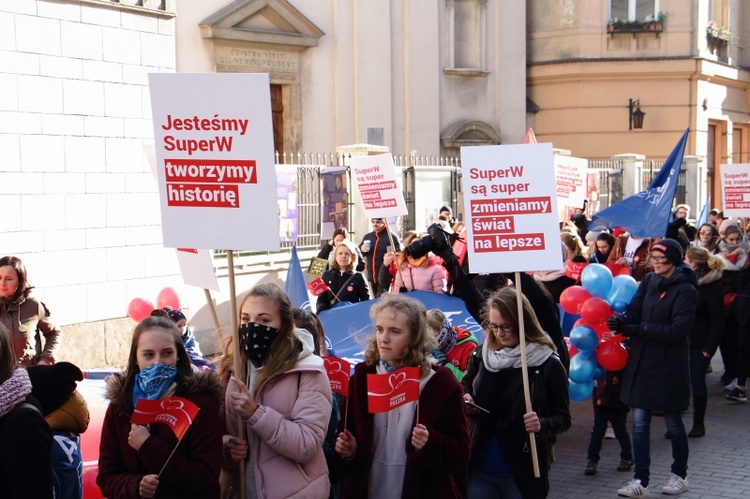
[
  {"x": 709, "y": 277},
  {"x": 197, "y": 382}
]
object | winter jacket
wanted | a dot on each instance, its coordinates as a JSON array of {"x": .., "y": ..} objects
[
  {"x": 430, "y": 278},
  {"x": 709, "y": 314},
  {"x": 356, "y": 289},
  {"x": 288, "y": 429},
  {"x": 607, "y": 391},
  {"x": 33, "y": 316},
  {"x": 741, "y": 304},
  {"x": 657, "y": 373},
  {"x": 502, "y": 394},
  {"x": 431, "y": 471},
  {"x": 458, "y": 355},
  {"x": 26, "y": 473},
  {"x": 326, "y": 252},
  {"x": 193, "y": 470},
  {"x": 379, "y": 243}
]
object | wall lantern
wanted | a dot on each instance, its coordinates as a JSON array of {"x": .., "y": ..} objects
[{"x": 636, "y": 116}]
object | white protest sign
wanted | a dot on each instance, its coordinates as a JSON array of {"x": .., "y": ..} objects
[
  {"x": 735, "y": 187},
  {"x": 375, "y": 179},
  {"x": 214, "y": 160},
  {"x": 197, "y": 268},
  {"x": 570, "y": 181},
  {"x": 511, "y": 208}
]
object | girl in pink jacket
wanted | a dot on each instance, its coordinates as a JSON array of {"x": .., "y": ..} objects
[{"x": 284, "y": 403}]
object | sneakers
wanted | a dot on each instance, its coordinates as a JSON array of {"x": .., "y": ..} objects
[
  {"x": 634, "y": 489},
  {"x": 590, "y": 468},
  {"x": 675, "y": 485},
  {"x": 737, "y": 395},
  {"x": 610, "y": 433},
  {"x": 625, "y": 465},
  {"x": 731, "y": 386}
]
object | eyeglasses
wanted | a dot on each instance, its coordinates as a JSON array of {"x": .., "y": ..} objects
[
  {"x": 705, "y": 233},
  {"x": 495, "y": 328},
  {"x": 658, "y": 259}
]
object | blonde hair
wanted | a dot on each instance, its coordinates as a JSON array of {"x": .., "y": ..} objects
[
  {"x": 504, "y": 301},
  {"x": 703, "y": 259},
  {"x": 346, "y": 243},
  {"x": 573, "y": 244},
  {"x": 420, "y": 343}
]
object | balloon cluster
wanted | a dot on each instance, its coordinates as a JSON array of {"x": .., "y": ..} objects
[
  {"x": 593, "y": 348},
  {"x": 140, "y": 308}
]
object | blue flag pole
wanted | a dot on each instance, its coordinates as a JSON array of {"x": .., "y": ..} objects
[{"x": 647, "y": 213}]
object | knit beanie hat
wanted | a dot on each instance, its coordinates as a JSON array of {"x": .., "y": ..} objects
[
  {"x": 174, "y": 314},
  {"x": 52, "y": 385},
  {"x": 726, "y": 223},
  {"x": 671, "y": 249}
]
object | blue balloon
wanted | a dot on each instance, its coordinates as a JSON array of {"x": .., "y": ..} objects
[
  {"x": 619, "y": 306},
  {"x": 584, "y": 338},
  {"x": 597, "y": 280},
  {"x": 580, "y": 391},
  {"x": 623, "y": 288},
  {"x": 600, "y": 372},
  {"x": 582, "y": 368}
]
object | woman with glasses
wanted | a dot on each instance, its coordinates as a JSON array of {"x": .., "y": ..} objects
[
  {"x": 707, "y": 237},
  {"x": 501, "y": 463},
  {"x": 657, "y": 375}
]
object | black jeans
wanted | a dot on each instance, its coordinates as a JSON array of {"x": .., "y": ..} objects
[{"x": 617, "y": 417}]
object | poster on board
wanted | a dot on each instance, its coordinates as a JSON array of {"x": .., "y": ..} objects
[
  {"x": 570, "y": 182},
  {"x": 335, "y": 206},
  {"x": 214, "y": 160},
  {"x": 286, "y": 199},
  {"x": 735, "y": 188},
  {"x": 510, "y": 204},
  {"x": 375, "y": 179},
  {"x": 197, "y": 268}
]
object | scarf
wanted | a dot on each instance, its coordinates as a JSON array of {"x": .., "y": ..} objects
[
  {"x": 151, "y": 383},
  {"x": 510, "y": 358},
  {"x": 447, "y": 336},
  {"x": 388, "y": 368},
  {"x": 14, "y": 390}
]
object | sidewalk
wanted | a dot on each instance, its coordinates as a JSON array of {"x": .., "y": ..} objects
[{"x": 719, "y": 464}]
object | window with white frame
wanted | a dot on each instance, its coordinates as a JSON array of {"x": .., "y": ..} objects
[
  {"x": 718, "y": 12},
  {"x": 633, "y": 10}
]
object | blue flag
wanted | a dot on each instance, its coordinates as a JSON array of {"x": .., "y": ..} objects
[
  {"x": 295, "y": 286},
  {"x": 647, "y": 213},
  {"x": 703, "y": 217}
]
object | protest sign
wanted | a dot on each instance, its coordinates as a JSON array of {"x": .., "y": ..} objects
[
  {"x": 391, "y": 390},
  {"x": 511, "y": 208},
  {"x": 570, "y": 181},
  {"x": 375, "y": 179},
  {"x": 214, "y": 160},
  {"x": 197, "y": 268},
  {"x": 735, "y": 187}
]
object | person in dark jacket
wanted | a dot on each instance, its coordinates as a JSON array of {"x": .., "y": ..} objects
[
  {"x": 404, "y": 452},
  {"x": 25, "y": 437},
  {"x": 501, "y": 462},
  {"x": 134, "y": 460},
  {"x": 707, "y": 328},
  {"x": 343, "y": 281},
  {"x": 657, "y": 375},
  {"x": 374, "y": 246},
  {"x": 742, "y": 313},
  {"x": 326, "y": 248}
]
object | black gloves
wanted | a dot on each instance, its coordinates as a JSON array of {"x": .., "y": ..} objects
[
  {"x": 615, "y": 323},
  {"x": 630, "y": 331}
]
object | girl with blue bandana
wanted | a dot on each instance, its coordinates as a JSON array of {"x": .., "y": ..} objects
[{"x": 131, "y": 456}]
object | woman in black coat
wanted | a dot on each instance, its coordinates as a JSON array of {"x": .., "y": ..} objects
[
  {"x": 657, "y": 375},
  {"x": 707, "y": 328},
  {"x": 501, "y": 462},
  {"x": 343, "y": 281}
]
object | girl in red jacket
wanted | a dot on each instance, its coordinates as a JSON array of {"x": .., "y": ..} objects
[{"x": 454, "y": 344}]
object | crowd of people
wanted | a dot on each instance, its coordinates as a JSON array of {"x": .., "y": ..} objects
[{"x": 269, "y": 423}]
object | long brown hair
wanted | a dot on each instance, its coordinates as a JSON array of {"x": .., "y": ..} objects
[
  {"x": 7, "y": 354},
  {"x": 286, "y": 348},
  {"x": 420, "y": 342},
  {"x": 504, "y": 301},
  {"x": 23, "y": 290},
  {"x": 184, "y": 369}
]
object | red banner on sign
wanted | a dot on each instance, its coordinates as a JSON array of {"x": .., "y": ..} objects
[
  {"x": 317, "y": 286},
  {"x": 338, "y": 374},
  {"x": 391, "y": 390},
  {"x": 176, "y": 412}
]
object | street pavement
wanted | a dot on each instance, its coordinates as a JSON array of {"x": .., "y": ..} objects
[{"x": 718, "y": 467}]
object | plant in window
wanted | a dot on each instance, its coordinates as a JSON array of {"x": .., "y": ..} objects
[
  {"x": 649, "y": 23},
  {"x": 717, "y": 34}
]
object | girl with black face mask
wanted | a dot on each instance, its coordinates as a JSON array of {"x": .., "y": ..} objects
[{"x": 284, "y": 402}]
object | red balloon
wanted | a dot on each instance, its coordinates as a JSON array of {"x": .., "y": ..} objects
[
  {"x": 572, "y": 298},
  {"x": 168, "y": 298},
  {"x": 601, "y": 329},
  {"x": 596, "y": 310},
  {"x": 611, "y": 355},
  {"x": 139, "y": 309}
]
